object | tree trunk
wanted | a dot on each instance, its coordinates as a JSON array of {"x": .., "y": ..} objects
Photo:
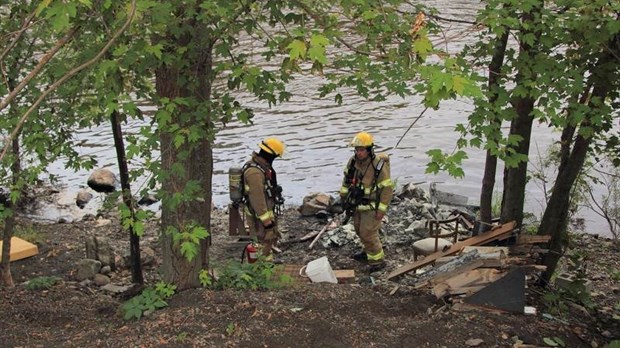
[
  {"x": 134, "y": 239},
  {"x": 490, "y": 165},
  {"x": 515, "y": 178},
  {"x": 555, "y": 218},
  {"x": 5, "y": 264},
  {"x": 603, "y": 78},
  {"x": 9, "y": 213},
  {"x": 194, "y": 157}
]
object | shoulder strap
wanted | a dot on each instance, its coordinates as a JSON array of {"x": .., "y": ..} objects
[
  {"x": 350, "y": 170},
  {"x": 378, "y": 168}
]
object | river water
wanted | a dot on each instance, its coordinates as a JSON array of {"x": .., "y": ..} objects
[{"x": 317, "y": 131}]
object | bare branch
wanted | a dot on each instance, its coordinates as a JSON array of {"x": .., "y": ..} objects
[
  {"x": 16, "y": 38},
  {"x": 46, "y": 58},
  {"x": 68, "y": 75}
]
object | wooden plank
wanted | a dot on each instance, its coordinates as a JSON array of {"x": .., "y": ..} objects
[
  {"x": 489, "y": 260},
  {"x": 440, "y": 277},
  {"x": 467, "y": 282},
  {"x": 20, "y": 249},
  {"x": 486, "y": 249},
  {"x": 477, "y": 240},
  {"x": 532, "y": 239},
  {"x": 344, "y": 276}
]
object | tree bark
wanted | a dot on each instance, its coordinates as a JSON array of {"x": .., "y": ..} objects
[
  {"x": 604, "y": 78},
  {"x": 9, "y": 213},
  {"x": 515, "y": 178},
  {"x": 134, "y": 239},
  {"x": 195, "y": 158},
  {"x": 490, "y": 165}
]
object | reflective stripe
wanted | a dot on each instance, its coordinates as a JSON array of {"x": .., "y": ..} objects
[
  {"x": 344, "y": 190},
  {"x": 364, "y": 207},
  {"x": 376, "y": 257},
  {"x": 383, "y": 207},
  {"x": 267, "y": 216},
  {"x": 385, "y": 183}
]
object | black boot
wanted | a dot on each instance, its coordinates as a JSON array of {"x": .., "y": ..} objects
[
  {"x": 376, "y": 266},
  {"x": 360, "y": 256}
]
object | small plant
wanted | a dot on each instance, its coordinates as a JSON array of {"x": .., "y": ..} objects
[
  {"x": 205, "y": 278},
  {"x": 251, "y": 276},
  {"x": 182, "y": 336},
  {"x": 41, "y": 283},
  {"x": 148, "y": 301},
  {"x": 554, "y": 342},
  {"x": 28, "y": 233}
]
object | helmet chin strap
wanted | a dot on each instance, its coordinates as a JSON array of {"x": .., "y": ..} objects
[{"x": 272, "y": 151}]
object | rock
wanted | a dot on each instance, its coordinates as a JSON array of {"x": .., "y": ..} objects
[
  {"x": 102, "y": 180},
  {"x": 99, "y": 248},
  {"x": 65, "y": 219},
  {"x": 151, "y": 199},
  {"x": 147, "y": 257},
  {"x": 87, "y": 268},
  {"x": 474, "y": 342},
  {"x": 412, "y": 191},
  {"x": 115, "y": 289},
  {"x": 101, "y": 279},
  {"x": 82, "y": 198},
  {"x": 315, "y": 202},
  {"x": 105, "y": 270}
]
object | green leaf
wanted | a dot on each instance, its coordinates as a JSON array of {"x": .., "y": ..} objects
[
  {"x": 318, "y": 40},
  {"x": 369, "y": 14},
  {"x": 422, "y": 46},
  {"x": 458, "y": 84},
  {"x": 297, "y": 49},
  {"x": 317, "y": 53},
  {"x": 550, "y": 342}
]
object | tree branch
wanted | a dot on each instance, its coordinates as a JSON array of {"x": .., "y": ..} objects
[
  {"x": 67, "y": 76},
  {"x": 38, "y": 68}
]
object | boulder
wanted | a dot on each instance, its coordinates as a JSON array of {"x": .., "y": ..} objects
[
  {"x": 315, "y": 203},
  {"x": 82, "y": 198},
  {"x": 102, "y": 180}
]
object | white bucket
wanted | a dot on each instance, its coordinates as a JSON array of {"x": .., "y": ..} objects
[{"x": 319, "y": 270}]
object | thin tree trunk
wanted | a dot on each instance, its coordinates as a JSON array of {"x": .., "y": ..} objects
[
  {"x": 9, "y": 219},
  {"x": 604, "y": 77},
  {"x": 134, "y": 239},
  {"x": 490, "y": 165},
  {"x": 515, "y": 178}
]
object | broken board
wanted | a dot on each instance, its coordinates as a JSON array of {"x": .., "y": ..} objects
[
  {"x": 477, "y": 240},
  {"x": 20, "y": 249}
]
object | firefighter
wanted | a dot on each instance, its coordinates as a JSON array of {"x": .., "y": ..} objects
[
  {"x": 366, "y": 192},
  {"x": 263, "y": 195}
]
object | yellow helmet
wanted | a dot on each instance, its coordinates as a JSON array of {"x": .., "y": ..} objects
[
  {"x": 273, "y": 146},
  {"x": 362, "y": 139}
]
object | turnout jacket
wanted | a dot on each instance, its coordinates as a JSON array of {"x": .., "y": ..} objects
[
  {"x": 377, "y": 191},
  {"x": 259, "y": 180}
]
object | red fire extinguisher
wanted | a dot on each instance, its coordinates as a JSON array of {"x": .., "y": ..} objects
[{"x": 250, "y": 252}]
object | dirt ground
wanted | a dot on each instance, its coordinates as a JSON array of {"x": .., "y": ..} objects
[{"x": 372, "y": 312}]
